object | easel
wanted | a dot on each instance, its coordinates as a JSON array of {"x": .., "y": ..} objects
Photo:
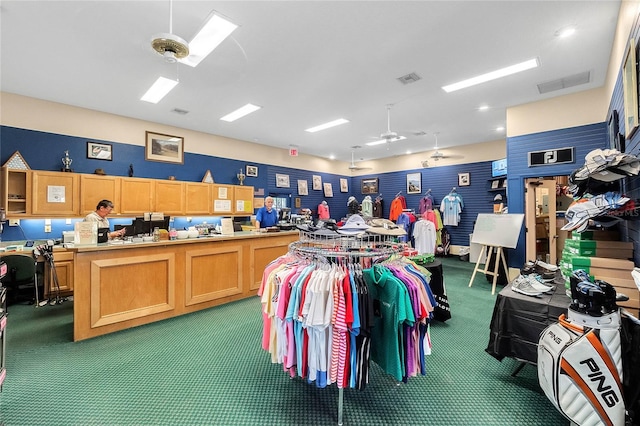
[{"x": 499, "y": 258}]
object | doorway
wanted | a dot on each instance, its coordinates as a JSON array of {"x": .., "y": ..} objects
[{"x": 543, "y": 200}]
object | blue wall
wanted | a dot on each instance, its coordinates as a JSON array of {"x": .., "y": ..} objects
[
  {"x": 582, "y": 138},
  {"x": 44, "y": 151}
]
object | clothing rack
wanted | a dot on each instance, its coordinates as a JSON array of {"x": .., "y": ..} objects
[{"x": 350, "y": 248}]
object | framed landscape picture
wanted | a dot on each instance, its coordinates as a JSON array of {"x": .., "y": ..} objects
[
  {"x": 414, "y": 183},
  {"x": 369, "y": 186},
  {"x": 164, "y": 148}
]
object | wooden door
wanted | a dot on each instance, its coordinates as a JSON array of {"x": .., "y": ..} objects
[
  {"x": 198, "y": 198},
  {"x": 243, "y": 200},
  {"x": 170, "y": 197},
  {"x": 136, "y": 195},
  {"x": 223, "y": 198}
]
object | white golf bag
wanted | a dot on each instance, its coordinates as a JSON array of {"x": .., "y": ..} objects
[{"x": 580, "y": 368}]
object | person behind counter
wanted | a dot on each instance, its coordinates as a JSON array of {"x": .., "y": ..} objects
[
  {"x": 103, "y": 209},
  {"x": 267, "y": 215}
]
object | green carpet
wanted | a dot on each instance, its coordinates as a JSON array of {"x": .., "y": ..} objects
[{"x": 207, "y": 368}]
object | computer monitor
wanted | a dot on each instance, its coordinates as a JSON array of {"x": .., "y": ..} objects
[
  {"x": 141, "y": 226},
  {"x": 103, "y": 235}
]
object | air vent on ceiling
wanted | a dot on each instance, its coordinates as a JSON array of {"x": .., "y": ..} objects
[
  {"x": 565, "y": 82},
  {"x": 409, "y": 78},
  {"x": 180, "y": 111}
]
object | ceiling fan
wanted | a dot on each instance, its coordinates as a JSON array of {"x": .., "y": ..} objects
[
  {"x": 437, "y": 155},
  {"x": 174, "y": 48},
  {"x": 353, "y": 166},
  {"x": 388, "y": 136}
]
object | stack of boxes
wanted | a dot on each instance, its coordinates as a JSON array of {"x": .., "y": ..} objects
[{"x": 605, "y": 258}]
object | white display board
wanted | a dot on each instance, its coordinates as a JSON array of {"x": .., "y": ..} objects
[{"x": 499, "y": 230}]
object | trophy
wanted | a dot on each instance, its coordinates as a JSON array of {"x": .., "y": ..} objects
[
  {"x": 241, "y": 176},
  {"x": 66, "y": 162}
]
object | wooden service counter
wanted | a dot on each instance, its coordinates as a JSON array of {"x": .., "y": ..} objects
[{"x": 123, "y": 286}]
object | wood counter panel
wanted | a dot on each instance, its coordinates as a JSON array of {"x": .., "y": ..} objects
[{"x": 116, "y": 289}]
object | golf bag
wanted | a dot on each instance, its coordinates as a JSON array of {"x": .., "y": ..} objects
[{"x": 580, "y": 357}]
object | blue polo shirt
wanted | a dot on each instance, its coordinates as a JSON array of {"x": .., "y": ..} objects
[{"x": 267, "y": 218}]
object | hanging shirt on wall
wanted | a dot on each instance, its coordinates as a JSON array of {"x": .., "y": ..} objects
[
  {"x": 378, "y": 206},
  {"x": 424, "y": 233},
  {"x": 397, "y": 205},
  {"x": 323, "y": 210},
  {"x": 451, "y": 207},
  {"x": 426, "y": 204},
  {"x": 367, "y": 206}
]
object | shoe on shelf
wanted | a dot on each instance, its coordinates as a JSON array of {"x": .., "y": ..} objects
[
  {"x": 538, "y": 283},
  {"x": 532, "y": 268},
  {"x": 547, "y": 266},
  {"x": 522, "y": 285}
]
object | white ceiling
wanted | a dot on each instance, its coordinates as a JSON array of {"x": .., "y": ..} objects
[{"x": 309, "y": 62}]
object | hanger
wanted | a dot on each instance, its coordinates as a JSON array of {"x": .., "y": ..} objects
[
  {"x": 428, "y": 192},
  {"x": 453, "y": 190},
  {"x": 399, "y": 194}
]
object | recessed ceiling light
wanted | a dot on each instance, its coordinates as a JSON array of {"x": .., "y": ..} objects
[
  {"x": 493, "y": 75},
  {"x": 483, "y": 107},
  {"x": 240, "y": 112},
  {"x": 332, "y": 157},
  {"x": 212, "y": 33},
  {"x": 500, "y": 129},
  {"x": 159, "y": 90},
  {"x": 408, "y": 152},
  {"x": 328, "y": 125},
  {"x": 381, "y": 141}
]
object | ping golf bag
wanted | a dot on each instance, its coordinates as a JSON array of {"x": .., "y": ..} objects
[{"x": 580, "y": 357}]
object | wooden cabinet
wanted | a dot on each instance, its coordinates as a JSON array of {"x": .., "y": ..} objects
[
  {"x": 64, "y": 272},
  {"x": 15, "y": 192},
  {"x": 170, "y": 197},
  {"x": 55, "y": 194},
  {"x": 136, "y": 196},
  {"x": 243, "y": 200},
  {"x": 222, "y": 198},
  {"x": 198, "y": 198},
  {"x": 94, "y": 188}
]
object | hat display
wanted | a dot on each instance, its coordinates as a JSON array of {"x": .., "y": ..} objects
[
  {"x": 100, "y": 172},
  {"x": 354, "y": 225},
  {"x": 385, "y": 227},
  {"x": 498, "y": 197}
]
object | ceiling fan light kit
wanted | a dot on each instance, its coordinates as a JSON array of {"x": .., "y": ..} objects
[{"x": 170, "y": 46}]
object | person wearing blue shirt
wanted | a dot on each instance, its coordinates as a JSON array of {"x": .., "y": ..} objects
[{"x": 267, "y": 215}]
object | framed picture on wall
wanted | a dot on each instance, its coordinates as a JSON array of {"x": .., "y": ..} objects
[
  {"x": 328, "y": 190},
  {"x": 99, "y": 151},
  {"x": 344, "y": 186},
  {"x": 464, "y": 179},
  {"x": 630, "y": 89},
  {"x": 369, "y": 186},
  {"x": 317, "y": 183},
  {"x": 164, "y": 148},
  {"x": 252, "y": 171},
  {"x": 414, "y": 183},
  {"x": 302, "y": 187},
  {"x": 282, "y": 181}
]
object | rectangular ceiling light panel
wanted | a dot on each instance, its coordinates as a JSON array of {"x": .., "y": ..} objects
[
  {"x": 159, "y": 90},
  {"x": 493, "y": 75},
  {"x": 240, "y": 112},
  {"x": 212, "y": 33},
  {"x": 328, "y": 125}
]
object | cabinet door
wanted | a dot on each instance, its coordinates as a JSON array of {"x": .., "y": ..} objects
[
  {"x": 169, "y": 197},
  {"x": 136, "y": 195},
  {"x": 15, "y": 192},
  {"x": 94, "y": 188},
  {"x": 222, "y": 199},
  {"x": 243, "y": 204},
  {"x": 198, "y": 198},
  {"x": 55, "y": 194}
]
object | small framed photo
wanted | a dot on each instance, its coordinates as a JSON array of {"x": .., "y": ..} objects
[
  {"x": 613, "y": 129},
  {"x": 370, "y": 186},
  {"x": 464, "y": 179},
  {"x": 495, "y": 184},
  {"x": 282, "y": 181},
  {"x": 414, "y": 183},
  {"x": 302, "y": 187},
  {"x": 164, "y": 148},
  {"x": 328, "y": 190},
  {"x": 252, "y": 171},
  {"x": 99, "y": 151},
  {"x": 344, "y": 185},
  {"x": 317, "y": 183}
]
